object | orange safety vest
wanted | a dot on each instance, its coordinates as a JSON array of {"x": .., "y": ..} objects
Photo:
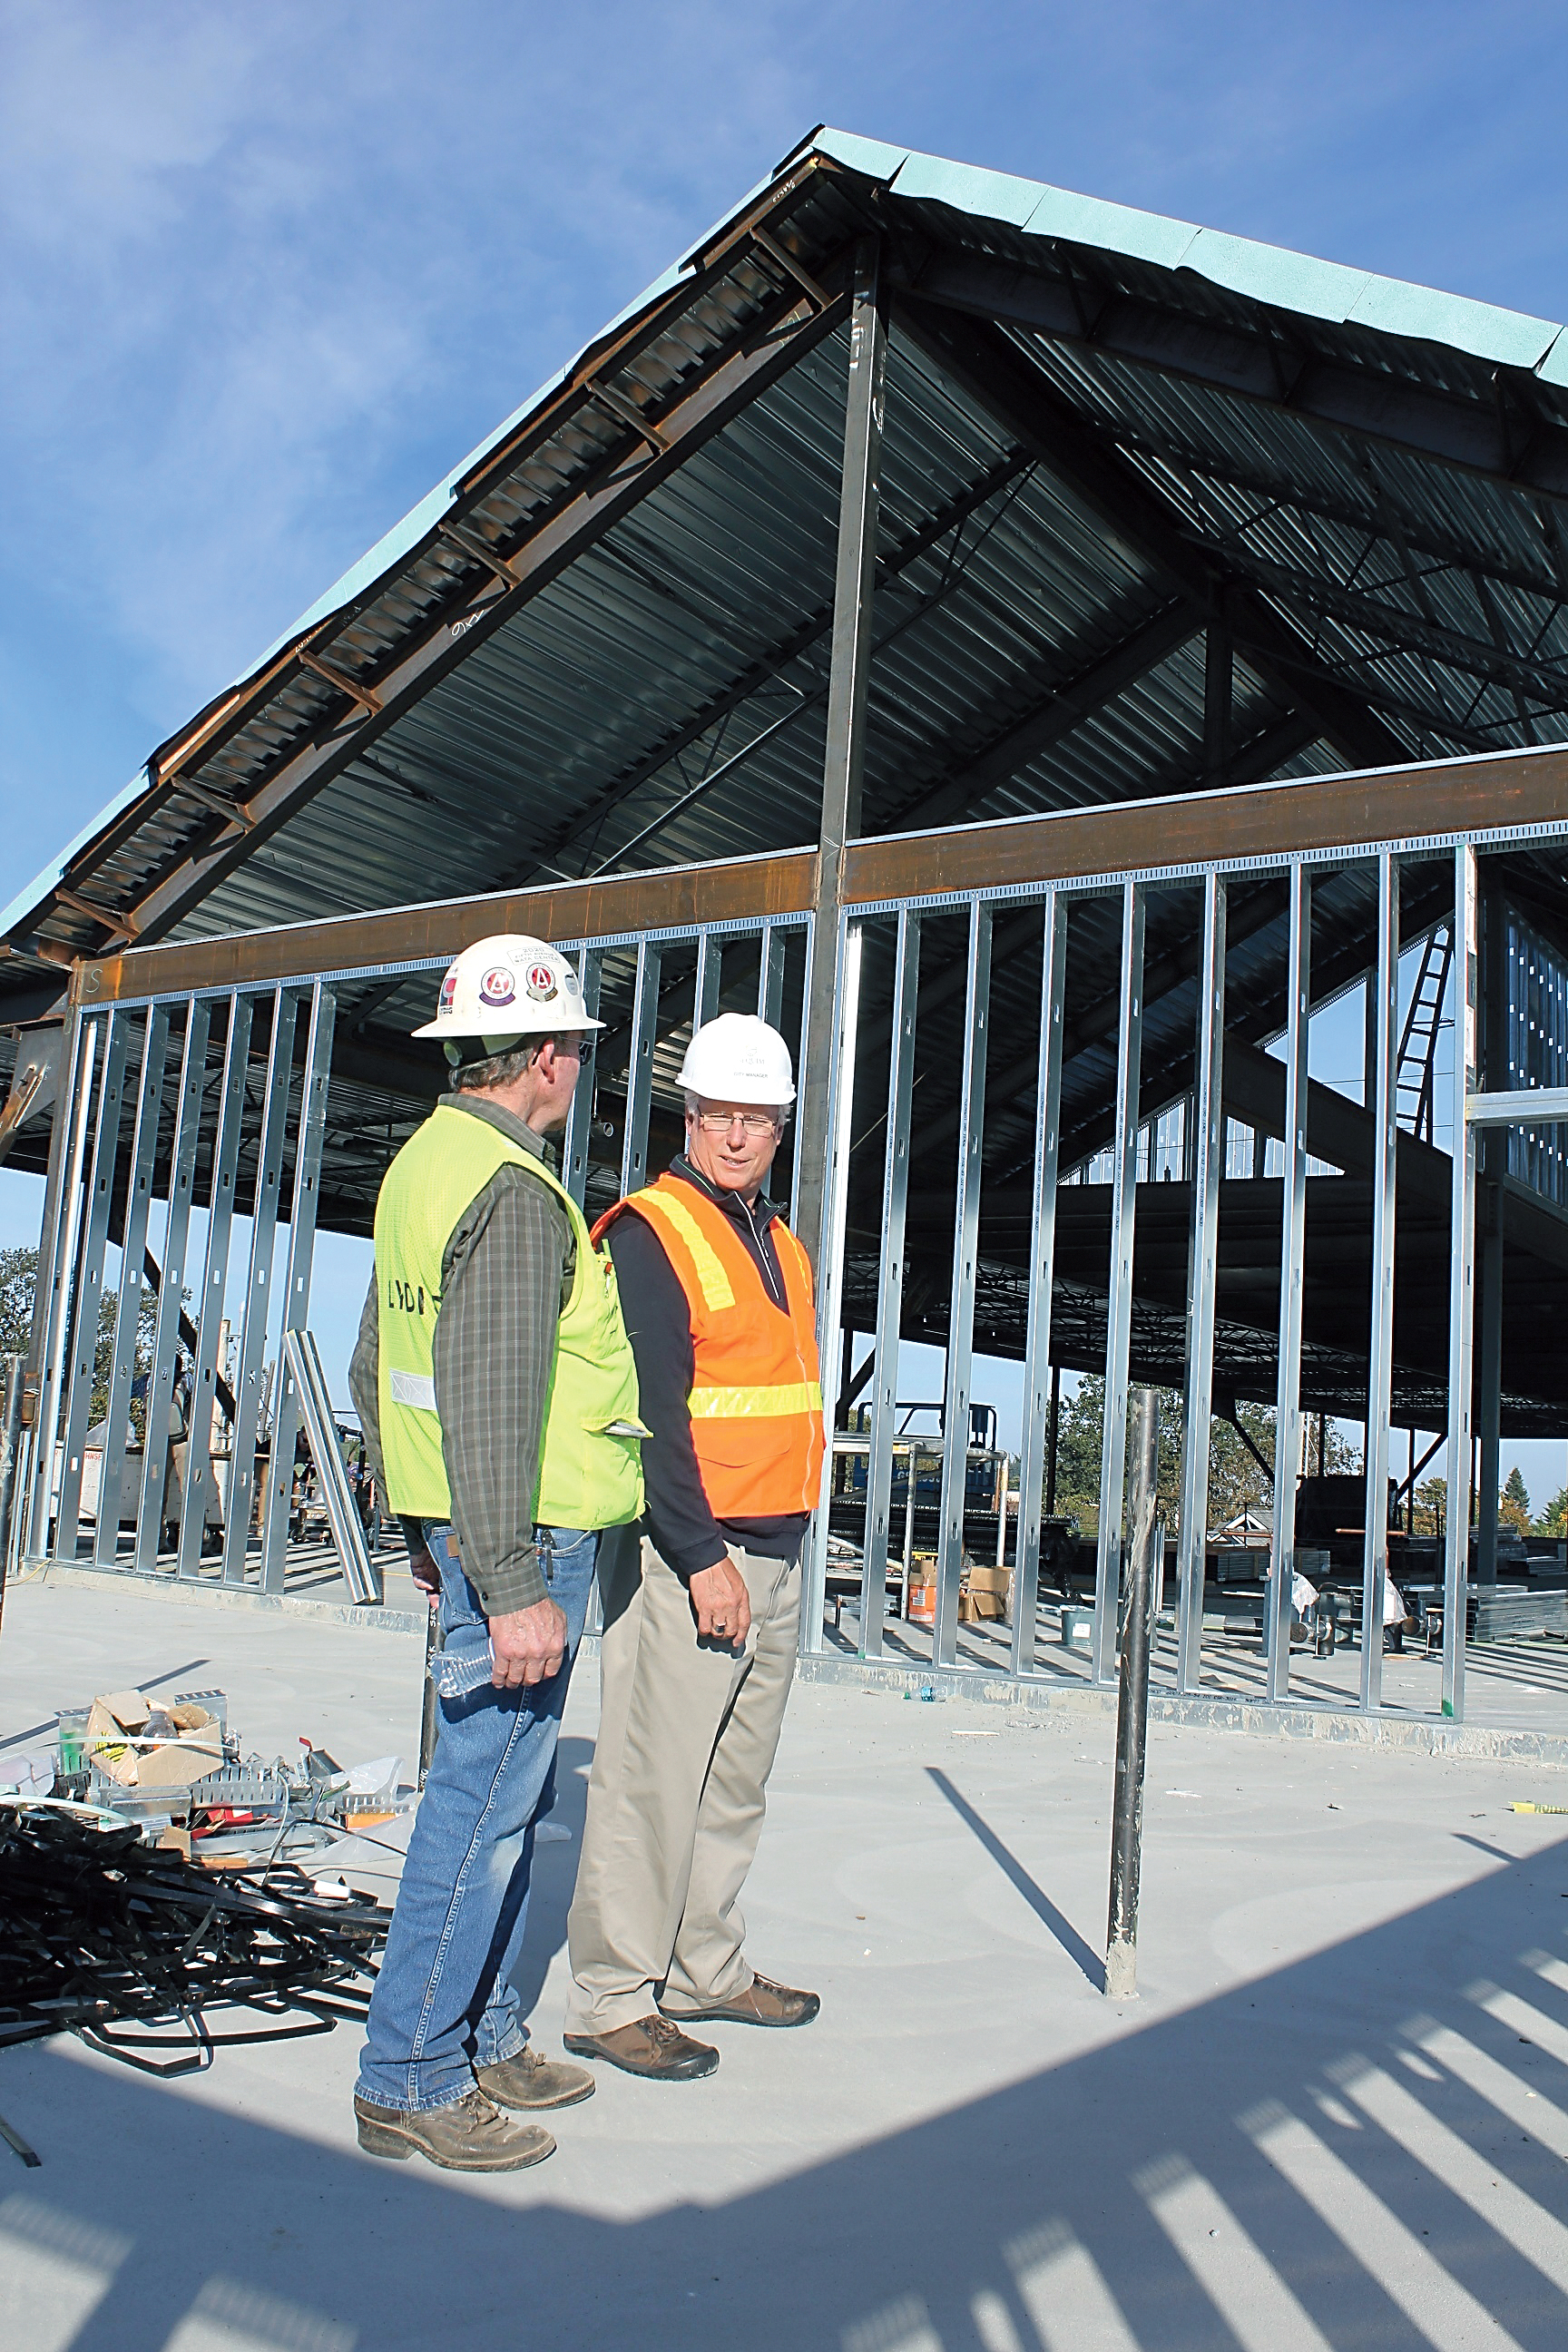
[{"x": 756, "y": 1395}]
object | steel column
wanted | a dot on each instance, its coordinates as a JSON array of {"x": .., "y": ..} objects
[
  {"x": 639, "y": 1069},
  {"x": 297, "y": 1291},
  {"x": 1461, "y": 1280},
  {"x": 890, "y": 1296},
  {"x": 575, "y": 1143},
  {"x": 1489, "y": 1384},
  {"x": 1380, "y": 1352},
  {"x": 128, "y": 1307},
  {"x": 226, "y": 1137},
  {"x": 848, "y": 679},
  {"x": 1207, "y": 1132},
  {"x": 1292, "y": 1252},
  {"x": 166, "y": 1324},
  {"x": 829, "y": 1239},
  {"x": 56, "y": 1251},
  {"x": 257, "y": 1291},
  {"x": 1119, "y": 1311},
  {"x": 961, "y": 1292},
  {"x": 89, "y": 1292},
  {"x": 1042, "y": 1270}
]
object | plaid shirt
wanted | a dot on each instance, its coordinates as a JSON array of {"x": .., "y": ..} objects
[{"x": 506, "y": 1273}]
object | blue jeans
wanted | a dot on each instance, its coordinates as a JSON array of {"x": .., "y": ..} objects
[{"x": 444, "y": 2003}]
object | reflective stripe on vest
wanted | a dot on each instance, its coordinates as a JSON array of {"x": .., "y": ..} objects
[{"x": 755, "y": 1404}]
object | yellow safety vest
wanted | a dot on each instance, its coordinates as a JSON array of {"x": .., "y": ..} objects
[{"x": 590, "y": 1468}]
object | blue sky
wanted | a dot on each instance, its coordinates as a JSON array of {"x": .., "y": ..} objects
[{"x": 268, "y": 271}]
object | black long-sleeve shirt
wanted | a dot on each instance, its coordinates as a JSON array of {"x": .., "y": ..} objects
[{"x": 658, "y": 1324}]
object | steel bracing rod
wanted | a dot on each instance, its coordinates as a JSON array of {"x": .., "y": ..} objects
[
  {"x": 256, "y": 1312},
  {"x": 1380, "y": 1350},
  {"x": 1042, "y": 1268},
  {"x": 170, "y": 1289},
  {"x": 1119, "y": 1314},
  {"x": 848, "y": 682},
  {"x": 1202, "y": 1277},
  {"x": 57, "y": 1257},
  {"x": 1466, "y": 968},
  {"x": 890, "y": 1292},
  {"x": 232, "y": 1094},
  {"x": 128, "y": 1307},
  {"x": 782, "y": 335},
  {"x": 1292, "y": 1262},
  {"x": 303, "y": 1211},
  {"x": 88, "y": 1300},
  {"x": 845, "y": 946},
  {"x": 639, "y": 1069},
  {"x": 580, "y": 1118},
  {"x": 961, "y": 1291}
]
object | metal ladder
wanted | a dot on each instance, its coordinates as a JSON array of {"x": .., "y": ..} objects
[{"x": 1415, "y": 1082}]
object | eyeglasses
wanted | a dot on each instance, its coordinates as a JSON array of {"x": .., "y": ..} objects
[{"x": 720, "y": 1122}]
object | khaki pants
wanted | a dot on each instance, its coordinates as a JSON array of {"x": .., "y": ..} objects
[{"x": 688, "y": 1732}]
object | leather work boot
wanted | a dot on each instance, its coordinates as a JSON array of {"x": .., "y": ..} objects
[
  {"x": 763, "y": 2003},
  {"x": 530, "y": 2080},
  {"x": 472, "y": 2134},
  {"x": 654, "y": 2046}
]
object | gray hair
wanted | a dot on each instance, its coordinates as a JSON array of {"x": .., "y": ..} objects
[{"x": 500, "y": 1069}]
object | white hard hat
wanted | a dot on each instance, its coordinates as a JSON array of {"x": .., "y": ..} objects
[
  {"x": 736, "y": 1057},
  {"x": 505, "y": 989}
]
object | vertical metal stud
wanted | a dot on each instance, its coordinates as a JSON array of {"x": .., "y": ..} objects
[
  {"x": 580, "y": 1118},
  {"x": 1207, "y": 1166},
  {"x": 1292, "y": 1261},
  {"x": 961, "y": 1294},
  {"x": 257, "y": 1286},
  {"x": 891, "y": 1294},
  {"x": 232, "y": 1096},
  {"x": 89, "y": 1296},
  {"x": 128, "y": 1309},
  {"x": 1042, "y": 1268},
  {"x": 705, "y": 990},
  {"x": 1118, "y": 1310},
  {"x": 57, "y": 1257},
  {"x": 1380, "y": 1353},
  {"x": 771, "y": 972},
  {"x": 1461, "y": 1278},
  {"x": 639, "y": 1069},
  {"x": 166, "y": 1326},
  {"x": 830, "y": 1262},
  {"x": 297, "y": 1285}
]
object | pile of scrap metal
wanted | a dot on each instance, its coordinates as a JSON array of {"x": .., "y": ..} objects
[{"x": 135, "y": 1949}]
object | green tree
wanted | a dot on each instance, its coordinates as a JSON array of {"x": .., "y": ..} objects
[
  {"x": 1513, "y": 1503},
  {"x": 1431, "y": 1505},
  {"x": 18, "y": 1280},
  {"x": 18, "y": 1287},
  {"x": 1553, "y": 1520}
]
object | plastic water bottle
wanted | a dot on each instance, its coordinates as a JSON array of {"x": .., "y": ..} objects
[{"x": 456, "y": 1672}]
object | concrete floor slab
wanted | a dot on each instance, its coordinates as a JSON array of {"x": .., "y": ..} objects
[{"x": 1338, "y": 2114}]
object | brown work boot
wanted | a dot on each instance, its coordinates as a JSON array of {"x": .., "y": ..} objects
[
  {"x": 653, "y": 2046},
  {"x": 472, "y": 2134},
  {"x": 530, "y": 2080},
  {"x": 763, "y": 2003}
]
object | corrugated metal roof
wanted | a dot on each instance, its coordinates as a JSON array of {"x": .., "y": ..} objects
[{"x": 1364, "y": 475}]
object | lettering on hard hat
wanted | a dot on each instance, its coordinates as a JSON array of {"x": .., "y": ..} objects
[{"x": 540, "y": 982}]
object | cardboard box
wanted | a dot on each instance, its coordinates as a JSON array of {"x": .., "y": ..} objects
[
  {"x": 116, "y": 1733},
  {"x": 973, "y": 1608},
  {"x": 989, "y": 1580}
]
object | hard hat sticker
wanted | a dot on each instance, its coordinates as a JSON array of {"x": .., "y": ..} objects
[
  {"x": 498, "y": 987},
  {"x": 540, "y": 982},
  {"x": 443, "y": 1002}
]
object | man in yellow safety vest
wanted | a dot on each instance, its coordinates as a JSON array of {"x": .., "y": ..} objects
[{"x": 497, "y": 1388}]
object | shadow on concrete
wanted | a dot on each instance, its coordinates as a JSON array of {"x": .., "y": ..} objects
[
  {"x": 1038, "y": 1901},
  {"x": 1365, "y": 2149},
  {"x": 554, "y": 1872}
]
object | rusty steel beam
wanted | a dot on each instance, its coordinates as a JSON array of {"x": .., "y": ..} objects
[
  {"x": 716, "y": 397},
  {"x": 1445, "y": 798},
  {"x": 673, "y": 896}
]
